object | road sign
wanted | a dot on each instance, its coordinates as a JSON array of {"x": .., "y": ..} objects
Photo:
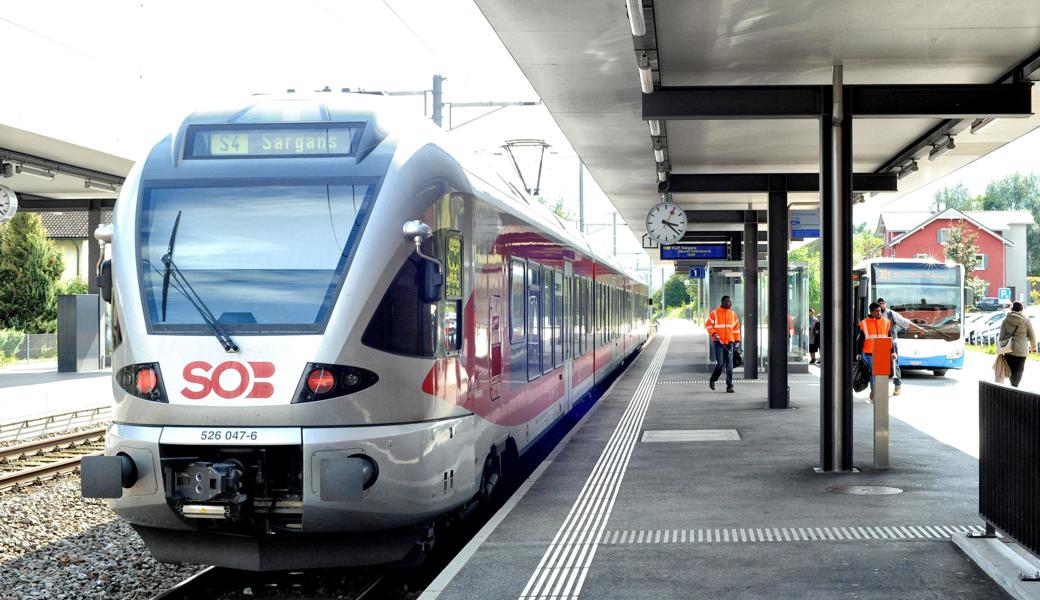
[
  {"x": 696, "y": 272},
  {"x": 1004, "y": 294},
  {"x": 804, "y": 224},
  {"x": 693, "y": 251}
]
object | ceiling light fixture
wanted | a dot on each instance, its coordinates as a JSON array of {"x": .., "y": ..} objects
[
  {"x": 942, "y": 148},
  {"x": 635, "y": 17},
  {"x": 655, "y": 127},
  {"x": 979, "y": 124},
  {"x": 662, "y": 176},
  {"x": 907, "y": 169},
  {"x": 659, "y": 154},
  {"x": 7, "y": 170},
  {"x": 101, "y": 186},
  {"x": 35, "y": 172},
  {"x": 646, "y": 76}
]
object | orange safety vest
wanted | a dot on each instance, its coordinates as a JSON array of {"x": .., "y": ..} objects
[
  {"x": 874, "y": 329},
  {"x": 724, "y": 322}
]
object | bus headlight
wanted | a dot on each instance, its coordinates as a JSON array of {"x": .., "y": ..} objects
[{"x": 955, "y": 353}]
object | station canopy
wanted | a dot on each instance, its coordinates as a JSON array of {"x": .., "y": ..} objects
[{"x": 583, "y": 60}]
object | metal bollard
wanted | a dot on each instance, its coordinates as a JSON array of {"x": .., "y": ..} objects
[{"x": 882, "y": 368}]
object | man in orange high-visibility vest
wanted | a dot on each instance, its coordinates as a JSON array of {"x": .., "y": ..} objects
[
  {"x": 724, "y": 328},
  {"x": 873, "y": 327}
]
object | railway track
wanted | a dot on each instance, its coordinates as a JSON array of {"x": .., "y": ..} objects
[
  {"x": 40, "y": 460},
  {"x": 217, "y": 582}
]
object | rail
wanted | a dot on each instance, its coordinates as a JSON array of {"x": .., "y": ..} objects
[
  {"x": 37, "y": 426},
  {"x": 213, "y": 581},
  {"x": 40, "y": 460},
  {"x": 1009, "y": 450}
]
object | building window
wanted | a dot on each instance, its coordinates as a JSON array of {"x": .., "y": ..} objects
[
  {"x": 983, "y": 262},
  {"x": 944, "y": 234},
  {"x": 922, "y": 255}
]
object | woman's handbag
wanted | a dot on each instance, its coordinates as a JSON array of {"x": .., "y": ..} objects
[
  {"x": 1005, "y": 346},
  {"x": 738, "y": 359}
]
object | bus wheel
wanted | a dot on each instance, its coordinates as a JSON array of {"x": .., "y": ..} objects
[{"x": 939, "y": 372}]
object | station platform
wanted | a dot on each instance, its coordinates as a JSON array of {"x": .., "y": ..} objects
[
  {"x": 35, "y": 399},
  {"x": 667, "y": 489}
]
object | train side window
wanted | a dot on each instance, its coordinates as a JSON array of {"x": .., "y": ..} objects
[
  {"x": 548, "y": 318},
  {"x": 517, "y": 300},
  {"x": 534, "y": 313},
  {"x": 558, "y": 329},
  {"x": 403, "y": 323}
]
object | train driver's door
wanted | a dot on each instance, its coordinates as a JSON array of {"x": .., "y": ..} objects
[{"x": 495, "y": 346}]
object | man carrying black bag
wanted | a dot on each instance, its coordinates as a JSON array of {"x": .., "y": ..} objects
[
  {"x": 724, "y": 328},
  {"x": 873, "y": 327}
]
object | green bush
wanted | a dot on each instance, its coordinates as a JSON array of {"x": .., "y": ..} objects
[
  {"x": 10, "y": 342},
  {"x": 72, "y": 287}
]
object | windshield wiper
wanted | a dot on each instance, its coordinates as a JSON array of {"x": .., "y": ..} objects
[{"x": 181, "y": 284}]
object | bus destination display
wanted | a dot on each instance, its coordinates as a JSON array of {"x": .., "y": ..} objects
[
  {"x": 271, "y": 141},
  {"x": 916, "y": 274}
]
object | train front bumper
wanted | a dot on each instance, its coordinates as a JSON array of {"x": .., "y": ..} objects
[{"x": 422, "y": 470}]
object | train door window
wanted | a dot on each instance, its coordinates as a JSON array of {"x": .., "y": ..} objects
[
  {"x": 452, "y": 315},
  {"x": 548, "y": 314},
  {"x": 583, "y": 315},
  {"x": 568, "y": 317},
  {"x": 517, "y": 300},
  {"x": 534, "y": 314},
  {"x": 558, "y": 320},
  {"x": 403, "y": 323}
]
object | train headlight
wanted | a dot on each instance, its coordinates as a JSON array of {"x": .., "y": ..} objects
[
  {"x": 321, "y": 381},
  {"x": 143, "y": 381}
]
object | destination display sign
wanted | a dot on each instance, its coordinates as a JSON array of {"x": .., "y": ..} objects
[
  {"x": 453, "y": 267},
  {"x": 271, "y": 141},
  {"x": 693, "y": 251},
  {"x": 916, "y": 274}
]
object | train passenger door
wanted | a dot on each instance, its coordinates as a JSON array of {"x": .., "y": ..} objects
[
  {"x": 495, "y": 346},
  {"x": 566, "y": 332}
]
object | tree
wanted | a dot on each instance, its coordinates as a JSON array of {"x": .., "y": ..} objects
[
  {"x": 955, "y": 197},
  {"x": 30, "y": 267},
  {"x": 1018, "y": 192},
  {"x": 558, "y": 207},
  {"x": 962, "y": 249},
  {"x": 865, "y": 244},
  {"x": 675, "y": 293}
]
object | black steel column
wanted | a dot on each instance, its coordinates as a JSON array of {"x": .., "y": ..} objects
[
  {"x": 93, "y": 250},
  {"x": 778, "y": 305},
  {"x": 844, "y": 287},
  {"x": 828, "y": 431},
  {"x": 750, "y": 316}
]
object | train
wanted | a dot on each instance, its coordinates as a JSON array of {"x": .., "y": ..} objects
[{"x": 329, "y": 335}]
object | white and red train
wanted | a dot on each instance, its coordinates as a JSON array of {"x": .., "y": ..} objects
[{"x": 327, "y": 333}]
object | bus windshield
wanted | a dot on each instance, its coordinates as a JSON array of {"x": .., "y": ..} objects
[
  {"x": 263, "y": 258},
  {"x": 928, "y": 295}
]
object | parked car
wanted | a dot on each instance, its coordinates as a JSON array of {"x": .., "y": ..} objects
[
  {"x": 988, "y": 304},
  {"x": 973, "y": 330}
]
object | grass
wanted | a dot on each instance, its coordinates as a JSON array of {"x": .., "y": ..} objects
[{"x": 992, "y": 350}]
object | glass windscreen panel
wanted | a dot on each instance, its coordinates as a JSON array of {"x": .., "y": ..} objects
[
  {"x": 263, "y": 259},
  {"x": 928, "y": 295}
]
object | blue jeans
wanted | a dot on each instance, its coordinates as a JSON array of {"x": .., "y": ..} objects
[{"x": 723, "y": 359}]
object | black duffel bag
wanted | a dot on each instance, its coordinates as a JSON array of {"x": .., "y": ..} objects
[
  {"x": 860, "y": 375},
  {"x": 738, "y": 358}
]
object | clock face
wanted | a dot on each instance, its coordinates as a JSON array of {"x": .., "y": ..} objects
[
  {"x": 8, "y": 204},
  {"x": 666, "y": 223}
]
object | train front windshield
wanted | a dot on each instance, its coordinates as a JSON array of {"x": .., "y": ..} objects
[
  {"x": 262, "y": 258},
  {"x": 928, "y": 295}
]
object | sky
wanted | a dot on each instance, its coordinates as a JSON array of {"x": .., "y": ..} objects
[{"x": 119, "y": 75}]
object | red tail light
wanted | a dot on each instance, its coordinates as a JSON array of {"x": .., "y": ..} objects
[
  {"x": 320, "y": 381},
  {"x": 146, "y": 380}
]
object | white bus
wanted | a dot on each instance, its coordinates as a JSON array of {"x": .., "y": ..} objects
[{"x": 927, "y": 292}]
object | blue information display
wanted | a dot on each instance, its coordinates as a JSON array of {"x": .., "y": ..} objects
[
  {"x": 696, "y": 272},
  {"x": 688, "y": 251}
]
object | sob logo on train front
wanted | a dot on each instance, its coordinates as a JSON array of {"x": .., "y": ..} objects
[{"x": 207, "y": 378}]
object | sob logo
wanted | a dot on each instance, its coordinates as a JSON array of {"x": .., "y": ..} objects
[{"x": 208, "y": 379}]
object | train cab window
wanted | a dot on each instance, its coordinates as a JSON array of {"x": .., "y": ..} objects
[
  {"x": 558, "y": 319},
  {"x": 517, "y": 300},
  {"x": 534, "y": 313},
  {"x": 403, "y": 323}
]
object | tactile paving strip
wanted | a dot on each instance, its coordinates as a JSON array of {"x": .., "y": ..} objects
[
  {"x": 784, "y": 534},
  {"x": 705, "y": 381}
]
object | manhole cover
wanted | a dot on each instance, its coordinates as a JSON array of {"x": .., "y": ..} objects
[{"x": 865, "y": 490}]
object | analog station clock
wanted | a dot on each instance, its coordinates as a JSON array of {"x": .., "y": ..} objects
[
  {"x": 8, "y": 204},
  {"x": 666, "y": 223}
]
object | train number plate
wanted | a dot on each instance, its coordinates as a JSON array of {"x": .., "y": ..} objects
[{"x": 232, "y": 436}]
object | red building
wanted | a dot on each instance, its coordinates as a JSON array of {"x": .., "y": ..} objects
[{"x": 1000, "y": 237}]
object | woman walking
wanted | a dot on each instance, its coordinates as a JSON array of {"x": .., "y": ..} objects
[
  {"x": 814, "y": 336},
  {"x": 1017, "y": 328}
]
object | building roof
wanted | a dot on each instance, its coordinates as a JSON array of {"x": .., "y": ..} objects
[
  {"x": 953, "y": 213},
  {"x": 69, "y": 225},
  {"x": 994, "y": 220}
]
